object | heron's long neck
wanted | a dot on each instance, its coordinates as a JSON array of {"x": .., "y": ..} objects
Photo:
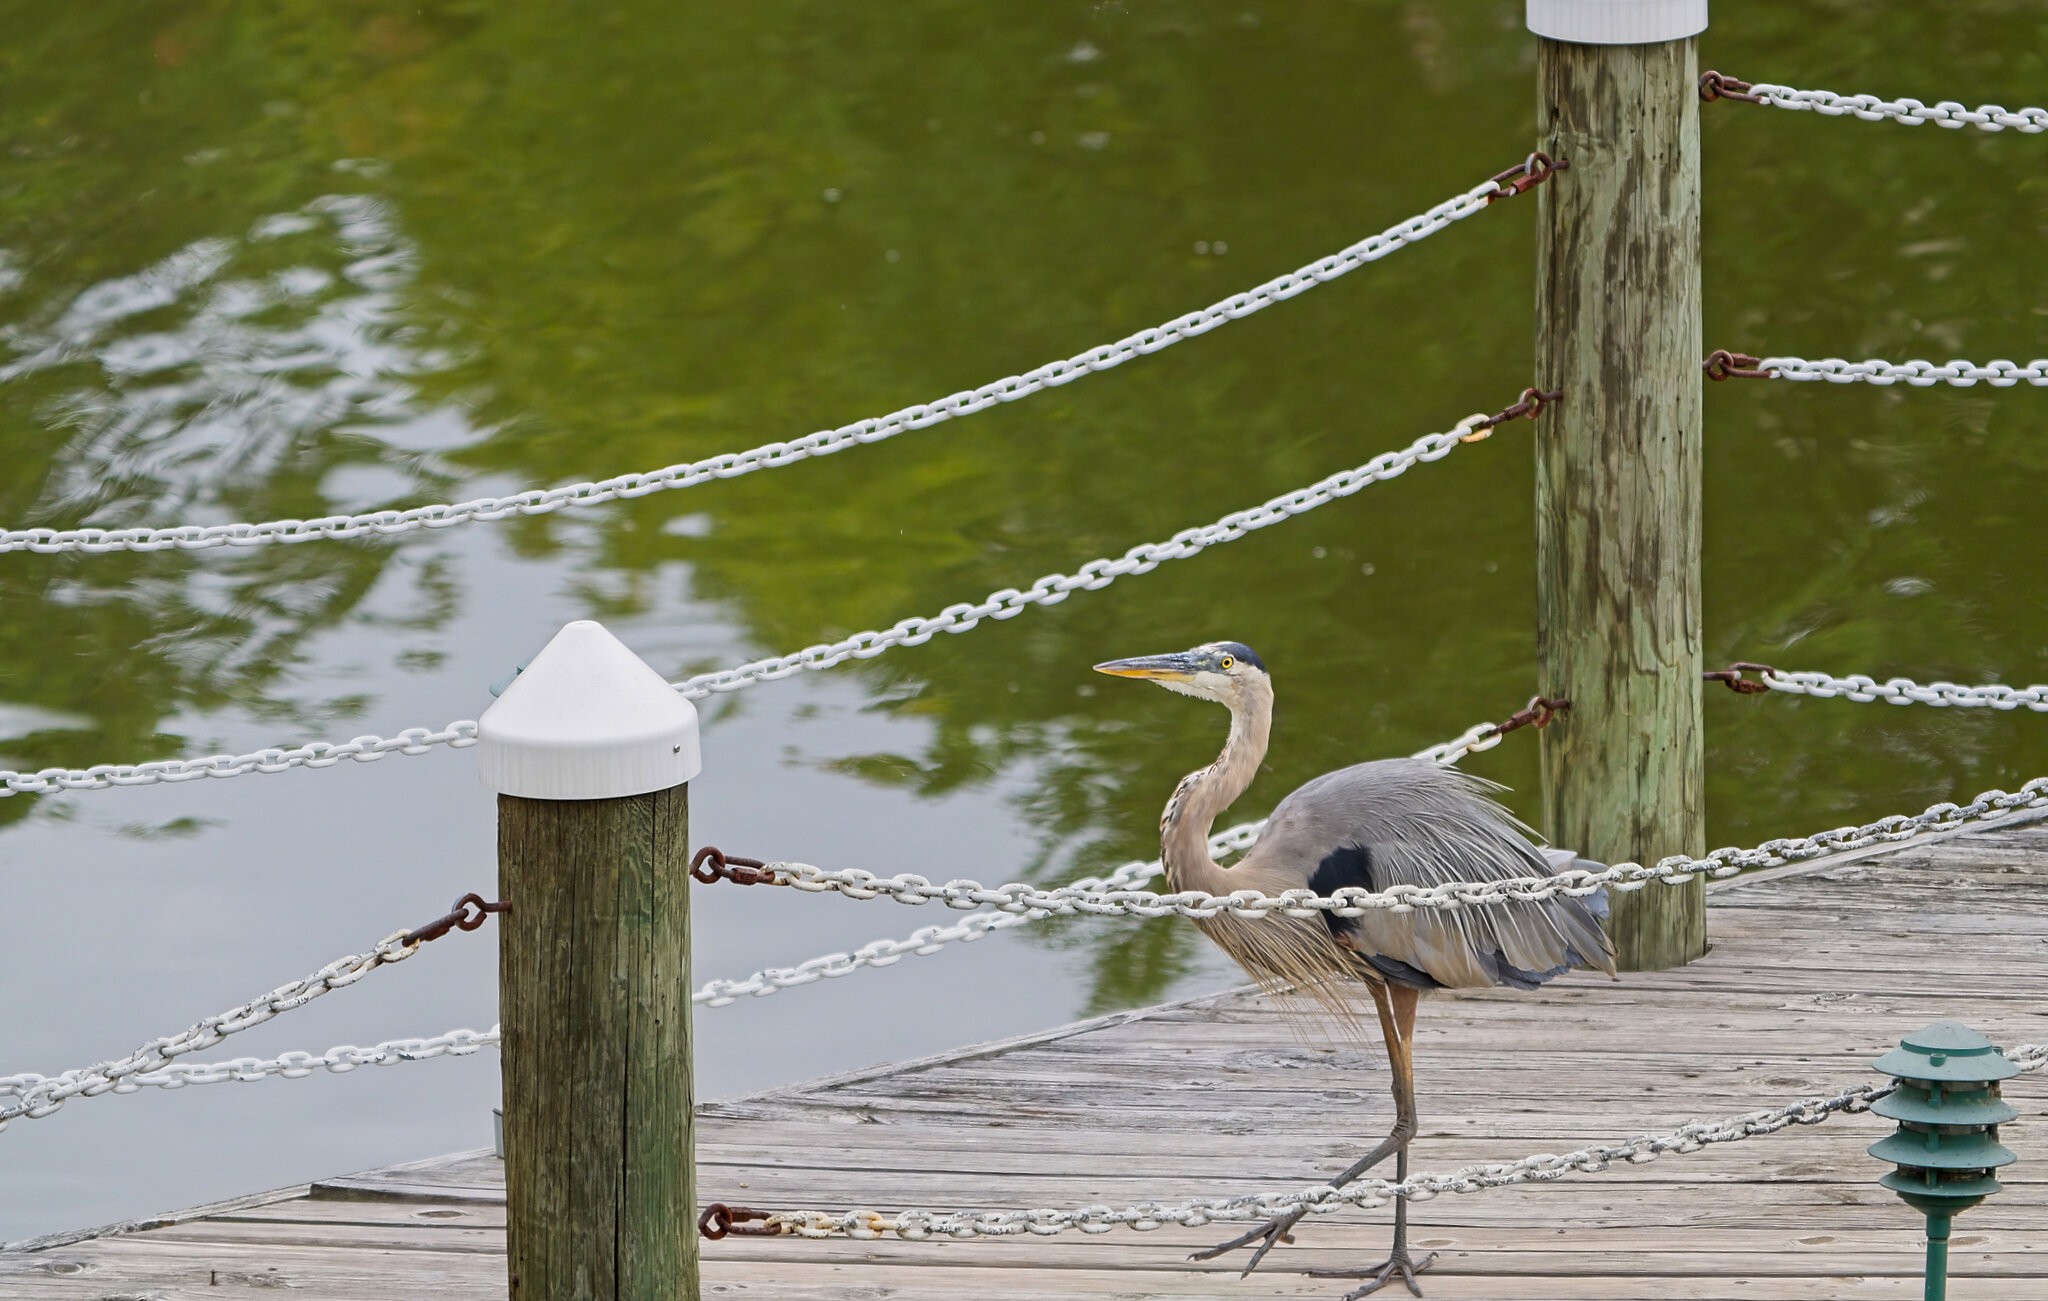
[{"x": 1202, "y": 794}]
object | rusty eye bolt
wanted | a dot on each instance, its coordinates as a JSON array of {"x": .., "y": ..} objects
[
  {"x": 1719, "y": 85},
  {"x": 1731, "y": 677},
  {"x": 719, "y": 1220},
  {"x": 1722, "y": 364},
  {"x": 1538, "y": 714},
  {"x": 470, "y": 912},
  {"x": 713, "y": 864},
  {"x": 1526, "y": 175}
]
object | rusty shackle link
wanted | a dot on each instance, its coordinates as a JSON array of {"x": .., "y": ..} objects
[
  {"x": 718, "y": 1220},
  {"x": 729, "y": 867},
  {"x": 1722, "y": 364},
  {"x": 1532, "y": 403},
  {"x": 1719, "y": 85},
  {"x": 1526, "y": 175},
  {"x": 1731, "y": 677},
  {"x": 1538, "y": 714},
  {"x": 468, "y": 914}
]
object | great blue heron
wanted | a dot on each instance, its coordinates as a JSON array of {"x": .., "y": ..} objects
[{"x": 1373, "y": 825}]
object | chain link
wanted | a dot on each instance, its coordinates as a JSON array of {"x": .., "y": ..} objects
[
  {"x": 1903, "y": 691},
  {"x": 1096, "y": 574},
  {"x": 908, "y": 632},
  {"x": 930, "y": 939},
  {"x": 919, "y": 1225},
  {"x": 138, "y": 1074},
  {"x": 313, "y": 754},
  {"x": 1920, "y": 374},
  {"x": 1003, "y": 604},
  {"x": 37, "y": 1096},
  {"x": 1354, "y": 902},
  {"x": 1013, "y": 905},
  {"x": 1910, "y": 112},
  {"x": 290, "y": 1066},
  {"x": 768, "y": 456}
]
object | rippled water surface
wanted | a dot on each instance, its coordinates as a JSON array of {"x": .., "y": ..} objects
[{"x": 294, "y": 259}]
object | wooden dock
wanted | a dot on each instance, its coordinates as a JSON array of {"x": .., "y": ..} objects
[{"x": 1813, "y": 972}]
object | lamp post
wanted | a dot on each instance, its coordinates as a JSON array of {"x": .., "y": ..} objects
[{"x": 1947, "y": 1103}]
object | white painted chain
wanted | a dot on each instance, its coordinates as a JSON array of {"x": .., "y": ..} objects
[
  {"x": 1321, "y": 1199},
  {"x": 1903, "y": 691},
  {"x": 768, "y": 456},
  {"x": 716, "y": 993},
  {"x": 1355, "y": 902},
  {"x": 313, "y": 754},
  {"x": 36, "y": 1096},
  {"x": 1920, "y": 374},
  {"x": 930, "y": 939},
  {"x": 1099, "y": 573},
  {"x": 290, "y": 1066},
  {"x": 151, "y": 1067},
  {"x": 919, "y": 1225},
  {"x": 1003, "y": 604},
  {"x": 908, "y": 632},
  {"x": 1909, "y": 112},
  {"x": 864, "y": 645}
]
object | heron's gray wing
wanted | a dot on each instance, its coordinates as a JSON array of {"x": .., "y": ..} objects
[{"x": 1414, "y": 822}]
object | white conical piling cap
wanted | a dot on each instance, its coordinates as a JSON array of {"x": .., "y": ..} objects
[
  {"x": 587, "y": 720},
  {"x": 1617, "y": 22}
]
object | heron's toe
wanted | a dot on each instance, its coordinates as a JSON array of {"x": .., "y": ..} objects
[
  {"x": 1268, "y": 1235},
  {"x": 1400, "y": 1265}
]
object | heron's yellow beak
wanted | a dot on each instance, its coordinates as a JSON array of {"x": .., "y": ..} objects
[{"x": 1160, "y": 668}]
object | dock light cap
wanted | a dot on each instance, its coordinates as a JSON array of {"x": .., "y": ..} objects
[
  {"x": 587, "y": 720},
  {"x": 1617, "y": 22},
  {"x": 1947, "y": 1052}
]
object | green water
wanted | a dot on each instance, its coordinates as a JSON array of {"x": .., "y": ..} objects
[{"x": 289, "y": 259}]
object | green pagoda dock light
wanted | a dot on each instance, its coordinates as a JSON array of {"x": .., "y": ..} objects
[{"x": 1948, "y": 1107}]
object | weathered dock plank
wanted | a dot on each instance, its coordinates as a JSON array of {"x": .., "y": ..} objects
[{"x": 1811, "y": 974}]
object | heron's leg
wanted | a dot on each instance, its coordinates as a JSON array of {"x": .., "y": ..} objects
[
  {"x": 1398, "y": 1262},
  {"x": 1280, "y": 1228}
]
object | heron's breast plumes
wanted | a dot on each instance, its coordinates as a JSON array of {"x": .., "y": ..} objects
[{"x": 1301, "y": 955}]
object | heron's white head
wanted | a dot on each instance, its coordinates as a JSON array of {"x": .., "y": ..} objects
[{"x": 1224, "y": 671}]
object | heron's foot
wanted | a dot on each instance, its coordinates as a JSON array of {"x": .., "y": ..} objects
[
  {"x": 1399, "y": 1265},
  {"x": 1271, "y": 1234}
]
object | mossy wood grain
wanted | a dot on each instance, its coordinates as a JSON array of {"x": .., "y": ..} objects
[
  {"x": 595, "y": 986},
  {"x": 1618, "y": 473}
]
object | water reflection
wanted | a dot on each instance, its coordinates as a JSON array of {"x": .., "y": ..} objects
[
  {"x": 315, "y": 259},
  {"x": 265, "y": 374},
  {"x": 191, "y": 383}
]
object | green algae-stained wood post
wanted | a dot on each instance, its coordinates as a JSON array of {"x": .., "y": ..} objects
[
  {"x": 1618, "y": 473},
  {"x": 591, "y": 753}
]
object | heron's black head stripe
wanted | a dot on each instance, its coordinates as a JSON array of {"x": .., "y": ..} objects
[{"x": 1244, "y": 653}]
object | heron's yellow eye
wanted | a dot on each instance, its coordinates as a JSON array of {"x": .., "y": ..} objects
[{"x": 1227, "y": 663}]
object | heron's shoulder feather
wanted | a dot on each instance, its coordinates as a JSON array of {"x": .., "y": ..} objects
[
  {"x": 1414, "y": 822},
  {"x": 1421, "y": 822}
]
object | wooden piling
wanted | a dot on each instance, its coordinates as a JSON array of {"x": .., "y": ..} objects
[
  {"x": 594, "y": 972},
  {"x": 1618, "y": 472}
]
